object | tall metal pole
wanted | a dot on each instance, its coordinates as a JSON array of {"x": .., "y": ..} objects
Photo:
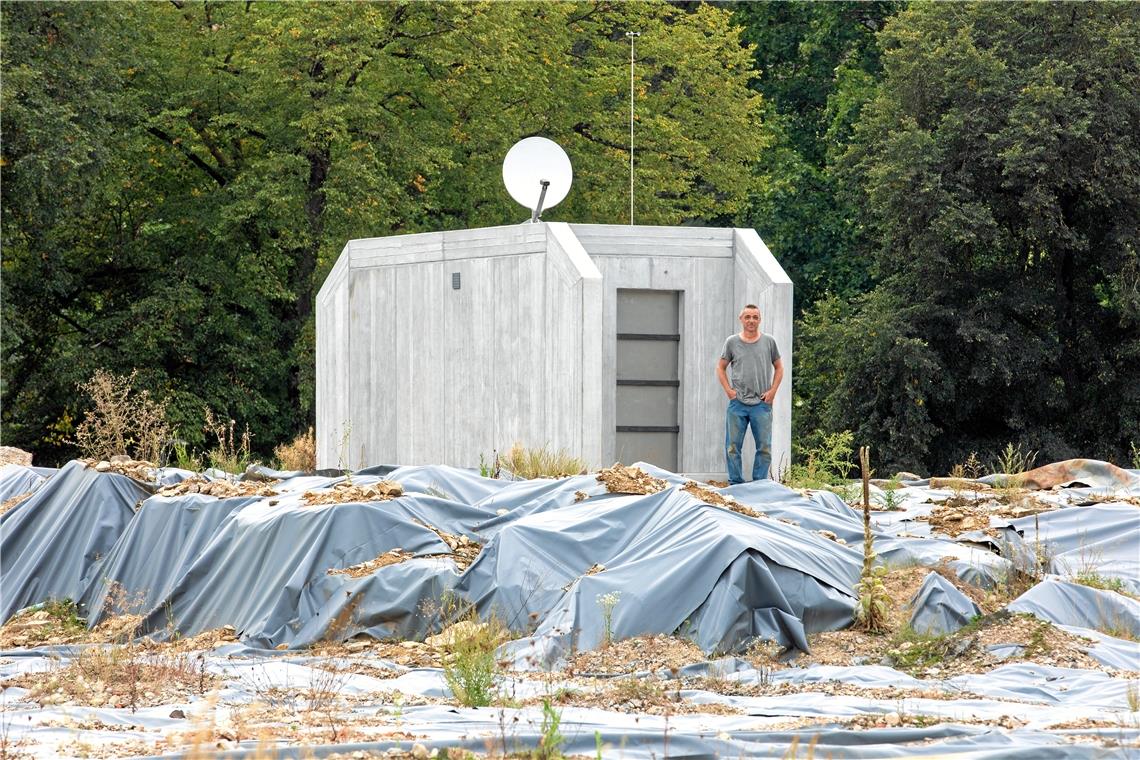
[{"x": 631, "y": 36}]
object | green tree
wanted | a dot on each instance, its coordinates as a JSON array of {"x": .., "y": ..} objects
[
  {"x": 178, "y": 178},
  {"x": 1000, "y": 166},
  {"x": 818, "y": 63}
]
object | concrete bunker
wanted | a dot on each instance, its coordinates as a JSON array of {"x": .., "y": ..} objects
[{"x": 602, "y": 340}]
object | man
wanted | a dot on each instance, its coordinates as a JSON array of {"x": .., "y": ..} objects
[{"x": 756, "y": 372}]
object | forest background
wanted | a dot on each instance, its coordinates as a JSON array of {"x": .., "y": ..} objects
[{"x": 953, "y": 188}]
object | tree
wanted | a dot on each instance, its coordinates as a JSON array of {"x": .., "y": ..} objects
[
  {"x": 818, "y": 63},
  {"x": 1000, "y": 165},
  {"x": 178, "y": 178}
]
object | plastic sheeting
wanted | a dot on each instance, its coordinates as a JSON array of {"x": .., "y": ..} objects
[
  {"x": 1103, "y": 539},
  {"x": 1037, "y": 698},
  {"x": 939, "y": 608},
  {"x": 668, "y": 559},
  {"x": 552, "y": 548},
  {"x": 51, "y": 542},
  {"x": 17, "y": 479}
]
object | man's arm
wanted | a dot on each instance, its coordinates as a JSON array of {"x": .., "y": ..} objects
[
  {"x": 769, "y": 395},
  {"x": 721, "y": 366}
]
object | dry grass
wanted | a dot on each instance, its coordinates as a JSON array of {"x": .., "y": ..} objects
[
  {"x": 540, "y": 462},
  {"x": 122, "y": 421},
  {"x": 301, "y": 454},
  {"x": 119, "y": 676}
]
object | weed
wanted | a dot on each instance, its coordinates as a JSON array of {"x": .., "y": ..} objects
[
  {"x": 912, "y": 649},
  {"x": 1095, "y": 580},
  {"x": 184, "y": 458},
  {"x": 1134, "y": 450},
  {"x": 607, "y": 602},
  {"x": 469, "y": 665},
  {"x": 551, "y": 741},
  {"x": 300, "y": 454},
  {"x": 122, "y": 421},
  {"x": 957, "y": 481},
  {"x": 824, "y": 465},
  {"x": 63, "y": 618},
  {"x": 489, "y": 469},
  {"x": 342, "y": 463},
  {"x": 1133, "y": 695},
  {"x": 231, "y": 455},
  {"x": 1029, "y": 562},
  {"x": 539, "y": 462},
  {"x": 874, "y": 603},
  {"x": 1011, "y": 463},
  {"x": 323, "y": 696},
  {"x": 119, "y": 676},
  {"x": 888, "y": 499}
]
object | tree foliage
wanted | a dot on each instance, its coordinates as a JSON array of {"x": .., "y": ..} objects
[
  {"x": 818, "y": 63},
  {"x": 178, "y": 178},
  {"x": 999, "y": 164}
]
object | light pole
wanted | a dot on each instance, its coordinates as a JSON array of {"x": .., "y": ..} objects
[{"x": 631, "y": 36}]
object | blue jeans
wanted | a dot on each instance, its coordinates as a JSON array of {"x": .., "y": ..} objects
[{"x": 738, "y": 418}]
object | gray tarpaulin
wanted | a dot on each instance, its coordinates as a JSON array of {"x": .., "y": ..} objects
[
  {"x": 158, "y": 546},
  {"x": 1059, "y": 601},
  {"x": 671, "y": 563},
  {"x": 674, "y": 564},
  {"x": 266, "y": 572},
  {"x": 51, "y": 542},
  {"x": 939, "y": 608},
  {"x": 1100, "y": 538},
  {"x": 17, "y": 479}
]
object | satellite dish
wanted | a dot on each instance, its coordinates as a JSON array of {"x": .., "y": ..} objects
[{"x": 537, "y": 174}]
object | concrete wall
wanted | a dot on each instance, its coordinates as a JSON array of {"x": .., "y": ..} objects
[
  {"x": 410, "y": 371},
  {"x": 699, "y": 262},
  {"x": 759, "y": 279}
]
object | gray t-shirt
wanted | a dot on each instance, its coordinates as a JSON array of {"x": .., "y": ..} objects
[{"x": 750, "y": 366}]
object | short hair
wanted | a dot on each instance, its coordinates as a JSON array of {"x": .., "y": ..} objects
[{"x": 748, "y": 306}]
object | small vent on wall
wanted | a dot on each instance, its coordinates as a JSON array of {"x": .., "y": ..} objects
[{"x": 455, "y": 280}]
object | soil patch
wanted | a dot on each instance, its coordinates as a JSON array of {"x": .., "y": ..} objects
[
  {"x": 393, "y": 557},
  {"x": 14, "y": 502},
  {"x": 347, "y": 493},
  {"x": 135, "y": 469},
  {"x": 718, "y": 500},
  {"x": 631, "y": 480},
  {"x": 221, "y": 489},
  {"x": 642, "y": 653}
]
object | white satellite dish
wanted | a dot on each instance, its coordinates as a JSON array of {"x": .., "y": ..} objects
[{"x": 537, "y": 174}]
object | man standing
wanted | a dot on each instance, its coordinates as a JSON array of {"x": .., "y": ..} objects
[{"x": 756, "y": 372}]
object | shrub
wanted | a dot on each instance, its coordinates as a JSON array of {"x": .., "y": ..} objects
[
  {"x": 301, "y": 454},
  {"x": 469, "y": 665},
  {"x": 123, "y": 420},
  {"x": 824, "y": 465}
]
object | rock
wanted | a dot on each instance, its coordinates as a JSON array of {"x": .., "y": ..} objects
[
  {"x": 120, "y": 459},
  {"x": 13, "y": 455},
  {"x": 177, "y": 714},
  {"x": 356, "y": 646},
  {"x": 419, "y": 751},
  {"x": 892, "y": 719},
  {"x": 103, "y": 466}
]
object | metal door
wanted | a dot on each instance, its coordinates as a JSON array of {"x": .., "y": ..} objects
[{"x": 648, "y": 376}]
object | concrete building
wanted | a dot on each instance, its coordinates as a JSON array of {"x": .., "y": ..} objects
[{"x": 598, "y": 339}]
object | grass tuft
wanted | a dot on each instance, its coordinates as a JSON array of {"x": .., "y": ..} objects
[{"x": 540, "y": 462}]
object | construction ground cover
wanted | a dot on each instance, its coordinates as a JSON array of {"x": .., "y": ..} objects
[{"x": 627, "y": 613}]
